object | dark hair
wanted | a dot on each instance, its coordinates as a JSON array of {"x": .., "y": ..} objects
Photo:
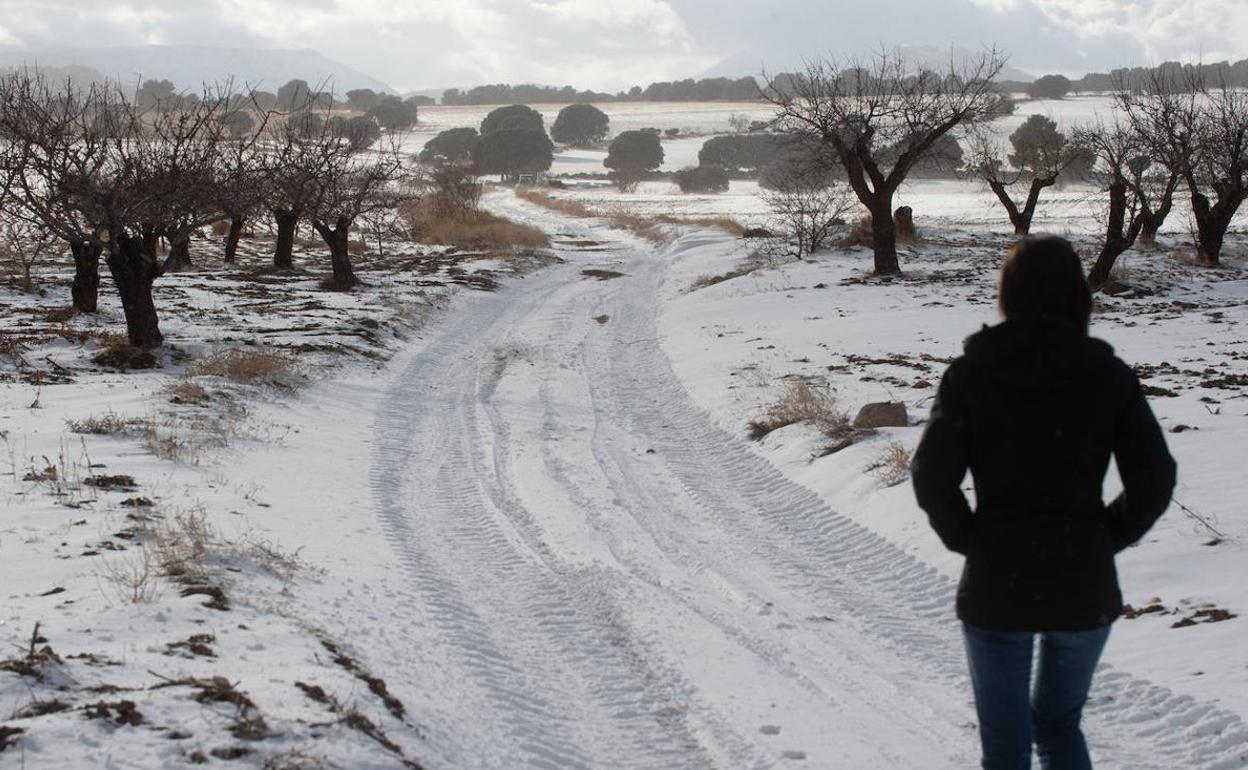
[{"x": 1042, "y": 277}]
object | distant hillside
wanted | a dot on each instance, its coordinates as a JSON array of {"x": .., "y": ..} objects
[
  {"x": 190, "y": 66},
  {"x": 78, "y": 74}
]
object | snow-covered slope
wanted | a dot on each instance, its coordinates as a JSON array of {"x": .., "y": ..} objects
[
  {"x": 734, "y": 342},
  {"x": 527, "y": 530}
]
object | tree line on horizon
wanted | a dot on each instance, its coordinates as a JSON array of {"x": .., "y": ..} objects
[
  {"x": 1055, "y": 86},
  {"x": 688, "y": 90},
  {"x": 745, "y": 89}
]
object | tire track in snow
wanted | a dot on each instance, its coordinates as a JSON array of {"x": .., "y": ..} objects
[
  {"x": 562, "y": 663},
  {"x": 898, "y": 600},
  {"x": 535, "y": 640}
]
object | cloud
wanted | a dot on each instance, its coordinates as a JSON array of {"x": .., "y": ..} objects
[
  {"x": 409, "y": 43},
  {"x": 610, "y": 44},
  {"x": 1161, "y": 29}
]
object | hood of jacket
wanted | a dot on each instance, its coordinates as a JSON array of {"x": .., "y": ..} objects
[{"x": 1034, "y": 353}]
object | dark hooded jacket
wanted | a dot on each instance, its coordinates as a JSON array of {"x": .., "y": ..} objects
[{"x": 1034, "y": 409}]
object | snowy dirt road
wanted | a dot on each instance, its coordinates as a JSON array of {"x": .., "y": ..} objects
[{"x": 598, "y": 577}]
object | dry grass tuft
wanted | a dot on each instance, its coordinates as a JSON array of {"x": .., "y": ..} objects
[
  {"x": 892, "y": 466},
  {"x": 186, "y": 391},
  {"x": 297, "y": 760},
  {"x": 106, "y": 424},
  {"x": 757, "y": 260},
  {"x": 183, "y": 546},
  {"x": 468, "y": 228},
  {"x": 648, "y": 227},
  {"x": 704, "y": 281},
  {"x": 617, "y": 217},
  {"x": 132, "y": 577},
  {"x": 123, "y": 356},
  {"x": 250, "y": 365},
  {"x": 11, "y": 347},
  {"x": 35, "y": 663},
  {"x": 727, "y": 224},
  {"x": 638, "y": 224},
  {"x": 183, "y": 540},
  {"x": 803, "y": 401},
  {"x": 182, "y": 437},
  {"x": 565, "y": 205}
]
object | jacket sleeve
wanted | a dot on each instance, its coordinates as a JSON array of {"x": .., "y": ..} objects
[
  {"x": 940, "y": 464},
  {"x": 1146, "y": 468}
]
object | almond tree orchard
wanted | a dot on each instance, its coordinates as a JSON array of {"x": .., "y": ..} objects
[
  {"x": 1199, "y": 128},
  {"x": 1141, "y": 192}
]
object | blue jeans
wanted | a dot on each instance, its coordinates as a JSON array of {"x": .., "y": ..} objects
[{"x": 1011, "y": 715}]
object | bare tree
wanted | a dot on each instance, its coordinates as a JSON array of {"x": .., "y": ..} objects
[
  {"x": 1141, "y": 191},
  {"x": 22, "y": 245},
  {"x": 240, "y": 184},
  {"x": 1200, "y": 131},
  {"x": 808, "y": 208},
  {"x": 858, "y": 111},
  {"x": 47, "y": 144},
  {"x": 192, "y": 168},
  {"x": 292, "y": 163},
  {"x": 1041, "y": 154},
  {"x": 354, "y": 189},
  {"x": 241, "y": 190},
  {"x": 345, "y": 182},
  {"x": 111, "y": 177}
]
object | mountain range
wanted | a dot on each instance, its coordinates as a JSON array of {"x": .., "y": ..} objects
[{"x": 190, "y": 66}]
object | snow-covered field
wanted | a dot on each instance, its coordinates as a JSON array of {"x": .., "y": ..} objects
[
  {"x": 704, "y": 119},
  {"x": 453, "y": 527},
  {"x": 172, "y": 560},
  {"x": 735, "y": 342}
]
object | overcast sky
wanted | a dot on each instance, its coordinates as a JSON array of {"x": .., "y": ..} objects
[{"x": 609, "y": 44}]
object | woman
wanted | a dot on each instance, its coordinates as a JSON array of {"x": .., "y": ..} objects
[{"x": 1034, "y": 408}]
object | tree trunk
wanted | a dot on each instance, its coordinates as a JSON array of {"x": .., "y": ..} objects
[
  {"x": 283, "y": 254},
  {"x": 1115, "y": 237},
  {"x": 151, "y": 242},
  {"x": 1211, "y": 225},
  {"x": 1021, "y": 218},
  {"x": 1011, "y": 208},
  {"x": 179, "y": 259},
  {"x": 1153, "y": 220},
  {"x": 884, "y": 241},
  {"x": 134, "y": 271},
  {"x": 884, "y": 236},
  {"x": 85, "y": 289},
  {"x": 1209, "y": 237},
  {"x": 337, "y": 238},
  {"x": 1033, "y": 197},
  {"x": 231, "y": 238}
]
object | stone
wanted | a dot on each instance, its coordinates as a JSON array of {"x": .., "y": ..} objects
[
  {"x": 904, "y": 218},
  {"x": 882, "y": 414}
]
